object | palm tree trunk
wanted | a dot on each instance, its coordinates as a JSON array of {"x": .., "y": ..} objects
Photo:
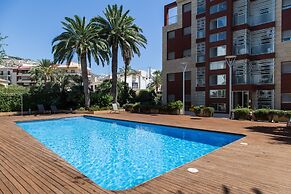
[
  {"x": 125, "y": 73},
  {"x": 114, "y": 72},
  {"x": 85, "y": 79}
]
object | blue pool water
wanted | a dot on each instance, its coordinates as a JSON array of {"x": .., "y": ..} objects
[{"x": 119, "y": 155}]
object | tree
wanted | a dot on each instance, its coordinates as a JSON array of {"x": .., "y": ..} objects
[
  {"x": 119, "y": 29},
  {"x": 126, "y": 71},
  {"x": 83, "y": 39},
  {"x": 2, "y": 51},
  {"x": 44, "y": 72},
  {"x": 156, "y": 81}
]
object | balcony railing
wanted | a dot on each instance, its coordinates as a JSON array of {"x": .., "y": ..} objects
[
  {"x": 240, "y": 50},
  {"x": 261, "y": 19},
  {"x": 262, "y": 49},
  {"x": 239, "y": 19},
  {"x": 172, "y": 20},
  {"x": 201, "y": 59},
  {"x": 201, "y": 34}
]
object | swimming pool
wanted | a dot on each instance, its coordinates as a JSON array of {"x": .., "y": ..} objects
[{"x": 119, "y": 155}]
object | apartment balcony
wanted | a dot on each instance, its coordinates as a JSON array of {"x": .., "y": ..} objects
[
  {"x": 201, "y": 59},
  {"x": 261, "y": 19},
  {"x": 240, "y": 50},
  {"x": 262, "y": 49},
  {"x": 172, "y": 20}
]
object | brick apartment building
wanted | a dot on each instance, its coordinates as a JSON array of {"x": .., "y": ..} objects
[{"x": 200, "y": 33}]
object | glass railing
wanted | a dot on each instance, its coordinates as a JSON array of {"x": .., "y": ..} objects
[
  {"x": 286, "y": 6},
  {"x": 240, "y": 50},
  {"x": 201, "y": 34},
  {"x": 262, "y": 49},
  {"x": 239, "y": 19},
  {"x": 261, "y": 19},
  {"x": 200, "y": 9},
  {"x": 172, "y": 20},
  {"x": 201, "y": 59}
]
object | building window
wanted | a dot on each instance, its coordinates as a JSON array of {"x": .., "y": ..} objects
[
  {"x": 217, "y": 93},
  {"x": 218, "y": 51},
  {"x": 1, "y": 73},
  {"x": 171, "y": 35},
  {"x": 134, "y": 85},
  {"x": 217, "y": 37},
  {"x": 286, "y": 97},
  {"x": 218, "y": 23},
  {"x": 286, "y": 4},
  {"x": 217, "y": 80},
  {"x": 187, "y": 31},
  {"x": 172, "y": 16},
  {"x": 187, "y": 7},
  {"x": 265, "y": 98},
  {"x": 218, "y": 7},
  {"x": 200, "y": 52},
  {"x": 219, "y": 107},
  {"x": 286, "y": 67},
  {"x": 171, "y": 77},
  {"x": 187, "y": 53},
  {"x": 286, "y": 35},
  {"x": 200, "y": 77},
  {"x": 188, "y": 76},
  {"x": 201, "y": 28},
  {"x": 171, "y": 55},
  {"x": 200, "y": 6},
  {"x": 217, "y": 65}
]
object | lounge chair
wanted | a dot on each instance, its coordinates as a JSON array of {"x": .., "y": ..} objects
[
  {"x": 115, "y": 108},
  {"x": 41, "y": 109},
  {"x": 54, "y": 109}
]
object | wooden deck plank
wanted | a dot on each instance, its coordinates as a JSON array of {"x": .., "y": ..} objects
[{"x": 263, "y": 166}]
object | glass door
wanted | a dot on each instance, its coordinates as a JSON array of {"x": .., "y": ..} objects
[{"x": 240, "y": 99}]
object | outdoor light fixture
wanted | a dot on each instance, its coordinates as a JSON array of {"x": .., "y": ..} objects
[
  {"x": 184, "y": 71},
  {"x": 193, "y": 170},
  {"x": 230, "y": 60}
]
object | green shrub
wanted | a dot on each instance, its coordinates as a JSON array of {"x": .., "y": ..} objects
[
  {"x": 202, "y": 111},
  {"x": 94, "y": 108},
  {"x": 101, "y": 100},
  {"x": 196, "y": 110},
  {"x": 10, "y": 99},
  {"x": 262, "y": 115},
  {"x": 242, "y": 113},
  {"x": 176, "y": 105},
  {"x": 147, "y": 97},
  {"x": 128, "y": 107},
  {"x": 208, "y": 111},
  {"x": 136, "y": 108},
  {"x": 81, "y": 109}
]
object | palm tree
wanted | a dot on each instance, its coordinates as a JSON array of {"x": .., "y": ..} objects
[
  {"x": 82, "y": 39},
  {"x": 44, "y": 72},
  {"x": 120, "y": 31},
  {"x": 156, "y": 81}
]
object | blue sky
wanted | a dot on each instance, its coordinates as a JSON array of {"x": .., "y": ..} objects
[{"x": 32, "y": 24}]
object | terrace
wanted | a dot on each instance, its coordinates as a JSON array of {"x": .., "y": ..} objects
[{"x": 260, "y": 166}]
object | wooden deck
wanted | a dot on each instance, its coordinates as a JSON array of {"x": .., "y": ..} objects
[{"x": 262, "y": 166}]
